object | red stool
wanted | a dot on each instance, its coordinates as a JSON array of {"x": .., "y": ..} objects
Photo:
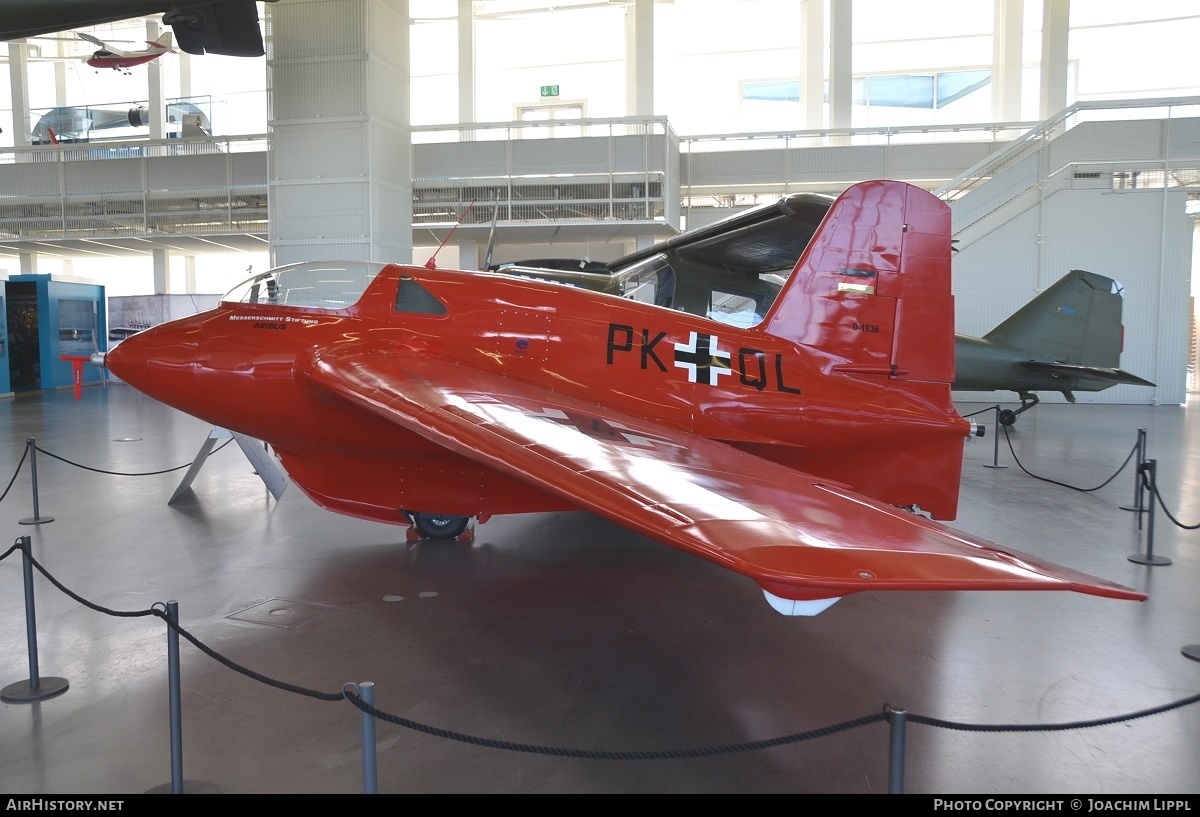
[{"x": 77, "y": 362}]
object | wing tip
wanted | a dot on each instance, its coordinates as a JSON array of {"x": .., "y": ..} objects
[{"x": 794, "y": 607}]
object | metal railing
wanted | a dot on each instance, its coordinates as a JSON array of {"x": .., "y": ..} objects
[
  {"x": 67, "y": 197},
  {"x": 994, "y": 132},
  {"x": 567, "y": 171},
  {"x": 1045, "y": 132}
]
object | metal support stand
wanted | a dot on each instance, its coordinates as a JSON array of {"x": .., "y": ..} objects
[
  {"x": 1140, "y": 451},
  {"x": 177, "y": 785},
  {"x": 1149, "y": 467},
  {"x": 36, "y": 688},
  {"x": 898, "y": 718},
  {"x": 37, "y": 518},
  {"x": 995, "y": 463},
  {"x": 264, "y": 465},
  {"x": 366, "y": 691}
]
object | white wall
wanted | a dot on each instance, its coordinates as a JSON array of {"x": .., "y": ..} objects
[{"x": 1143, "y": 239}]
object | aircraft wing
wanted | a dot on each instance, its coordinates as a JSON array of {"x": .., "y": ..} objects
[
  {"x": 1078, "y": 372},
  {"x": 806, "y": 542}
]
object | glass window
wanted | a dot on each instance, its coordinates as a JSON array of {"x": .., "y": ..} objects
[
  {"x": 415, "y": 299},
  {"x": 76, "y": 320},
  {"x": 311, "y": 284},
  {"x": 954, "y": 85},
  {"x": 734, "y": 307}
]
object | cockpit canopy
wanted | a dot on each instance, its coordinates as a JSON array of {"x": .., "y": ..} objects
[{"x": 311, "y": 284}]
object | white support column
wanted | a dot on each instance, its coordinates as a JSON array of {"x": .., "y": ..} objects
[
  {"x": 468, "y": 254},
  {"x": 155, "y": 92},
  {"x": 639, "y": 58},
  {"x": 466, "y": 62},
  {"x": 1056, "y": 30},
  {"x": 1008, "y": 32},
  {"x": 185, "y": 75},
  {"x": 189, "y": 274},
  {"x": 28, "y": 263},
  {"x": 341, "y": 146},
  {"x": 841, "y": 64},
  {"x": 162, "y": 272},
  {"x": 812, "y": 64},
  {"x": 60, "y": 73},
  {"x": 18, "y": 77}
]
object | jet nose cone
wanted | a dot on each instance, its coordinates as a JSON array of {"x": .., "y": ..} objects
[
  {"x": 98, "y": 359},
  {"x": 128, "y": 360}
]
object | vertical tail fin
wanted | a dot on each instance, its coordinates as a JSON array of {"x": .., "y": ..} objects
[
  {"x": 1076, "y": 320},
  {"x": 872, "y": 289}
]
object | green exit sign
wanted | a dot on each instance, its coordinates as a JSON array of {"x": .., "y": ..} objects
[{"x": 549, "y": 90}]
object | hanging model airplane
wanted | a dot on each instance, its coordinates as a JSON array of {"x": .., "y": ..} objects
[
  {"x": 794, "y": 452},
  {"x": 1068, "y": 339},
  {"x": 110, "y": 57},
  {"x": 227, "y": 27}
]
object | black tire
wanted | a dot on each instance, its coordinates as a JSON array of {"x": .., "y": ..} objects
[
  {"x": 440, "y": 526},
  {"x": 1008, "y": 417}
]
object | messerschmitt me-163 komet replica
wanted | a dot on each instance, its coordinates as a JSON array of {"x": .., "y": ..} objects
[{"x": 804, "y": 452}]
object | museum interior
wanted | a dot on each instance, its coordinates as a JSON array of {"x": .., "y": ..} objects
[{"x": 324, "y": 483}]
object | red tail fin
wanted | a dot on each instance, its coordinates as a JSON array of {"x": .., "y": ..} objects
[{"x": 873, "y": 286}]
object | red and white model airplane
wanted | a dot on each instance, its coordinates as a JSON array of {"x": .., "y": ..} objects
[
  {"x": 109, "y": 57},
  {"x": 791, "y": 451}
]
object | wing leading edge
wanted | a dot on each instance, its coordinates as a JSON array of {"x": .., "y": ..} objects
[{"x": 804, "y": 541}]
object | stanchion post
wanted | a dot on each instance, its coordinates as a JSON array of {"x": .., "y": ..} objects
[
  {"x": 1150, "y": 467},
  {"x": 898, "y": 718},
  {"x": 174, "y": 702},
  {"x": 36, "y": 688},
  {"x": 37, "y": 518},
  {"x": 174, "y": 698},
  {"x": 995, "y": 463},
  {"x": 366, "y": 691},
  {"x": 1140, "y": 453}
]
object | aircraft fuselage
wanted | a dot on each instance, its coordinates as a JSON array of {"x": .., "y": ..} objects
[{"x": 246, "y": 366}]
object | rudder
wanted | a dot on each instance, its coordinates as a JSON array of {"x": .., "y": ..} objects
[{"x": 872, "y": 288}]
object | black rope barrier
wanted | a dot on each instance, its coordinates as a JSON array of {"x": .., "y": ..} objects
[
  {"x": 324, "y": 696},
  {"x": 1053, "y": 727},
  {"x": 15, "y": 547},
  {"x": 71, "y": 593},
  {"x": 249, "y": 673},
  {"x": 20, "y": 464},
  {"x": 1008, "y": 439},
  {"x": 981, "y": 411},
  {"x": 1152, "y": 486},
  {"x": 591, "y": 754},
  {"x": 121, "y": 473}
]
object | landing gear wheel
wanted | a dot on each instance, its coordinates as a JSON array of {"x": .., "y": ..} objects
[
  {"x": 1009, "y": 417},
  {"x": 440, "y": 526}
]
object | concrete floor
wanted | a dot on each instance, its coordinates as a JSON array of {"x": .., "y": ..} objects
[{"x": 567, "y": 631}]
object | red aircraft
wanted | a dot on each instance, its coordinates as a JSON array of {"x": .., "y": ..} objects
[
  {"x": 795, "y": 452},
  {"x": 109, "y": 57}
]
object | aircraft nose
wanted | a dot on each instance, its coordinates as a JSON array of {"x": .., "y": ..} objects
[{"x": 129, "y": 359}]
